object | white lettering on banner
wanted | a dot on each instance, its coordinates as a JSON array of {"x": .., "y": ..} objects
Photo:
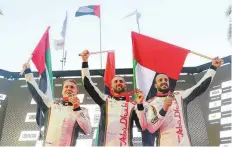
[
  {"x": 214, "y": 98},
  {"x": 215, "y": 104},
  {"x": 214, "y": 110},
  {"x": 227, "y": 84},
  {"x": 225, "y": 108},
  {"x": 216, "y": 86},
  {"x": 30, "y": 117},
  {"x": 29, "y": 136},
  {"x": 214, "y": 116},
  {"x": 214, "y": 122},
  {"x": 215, "y": 92},
  {"x": 227, "y": 95},
  {"x": 227, "y": 133},
  {"x": 180, "y": 81},
  {"x": 58, "y": 85},
  {"x": 23, "y": 86},
  {"x": 128, "y": 83},
  {"x": 225, "y": 140},
  {"x": 2, "y": 96},
  {"x": 226, "y": 145}
]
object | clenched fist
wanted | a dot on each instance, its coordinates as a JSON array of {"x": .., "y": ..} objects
[
  {"x": 140, "y": 96},
  {"x": 217, "y": 62},
  {"x": 85, "y": 56},
  {"x": 167, "y": 103}
]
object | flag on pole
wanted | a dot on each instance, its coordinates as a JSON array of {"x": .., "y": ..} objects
[
  {"x": 109, "y": 71},
  {"x": 58, "y": 44},
  {"x": 88, "y": 10},
  {"x": 151, "y": 57},
  {"x": 91, "y": 10},
  {"x": 64, "y": 27},
  {"x": 136, "y": 13},
  {"x": 42, "y": 60},
  {"x": 108, "y": 76}
]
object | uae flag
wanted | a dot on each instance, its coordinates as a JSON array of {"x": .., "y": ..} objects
[
  {"x": 41, "y": 58},
  {"x": 109, "y": 71},
  {"x": 153, "y": 56},
  {"x": 108, "y": 76}
]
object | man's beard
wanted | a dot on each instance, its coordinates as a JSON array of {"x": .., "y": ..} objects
[
  {"x": 166, "y": 90},
  {"x": 118, "y": 91}
]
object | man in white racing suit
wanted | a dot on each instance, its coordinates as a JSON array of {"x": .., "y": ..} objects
[
  {"x": 118, "y": 112},
  {"x": 166, "y": 112},
  {"x": 63, "y": 120}
]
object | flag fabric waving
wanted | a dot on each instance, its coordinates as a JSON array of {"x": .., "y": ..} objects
[
  {"x": 58, "y": 44},
  {"x": 138, "y": 15},
  {"x": 109, "y": 71},
  {"x": 152, "y": 56},
  {"x": 41, "y": 57},
  {"x": 108, "y": 76},
  {"x": 64, "y": 27},
  {"x": 88, "y": 10}
]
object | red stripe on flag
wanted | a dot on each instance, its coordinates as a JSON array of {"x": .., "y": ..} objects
[
  {"x": 97, "y": 10},
  {"x": 110, "y": 69},
  {"x": 158, "y": 56},
  {"x": 40, "y": 52}
]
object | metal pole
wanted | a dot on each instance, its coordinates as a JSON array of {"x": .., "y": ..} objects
[
  {"x": 100, "y": 44},
  {"x": 62, "y": 61},
  {"x": 138, "y": 24}
]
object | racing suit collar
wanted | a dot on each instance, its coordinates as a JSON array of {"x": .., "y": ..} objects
[
  {"x": 160, "y": 94},
  {"x": 67, "y": 103},
  {"x": 122, "y": 96}
]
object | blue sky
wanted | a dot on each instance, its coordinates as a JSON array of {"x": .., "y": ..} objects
[{"x": 199, "y": 25}]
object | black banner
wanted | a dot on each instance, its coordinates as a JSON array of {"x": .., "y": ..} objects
[{"x": 20, "y": 128}]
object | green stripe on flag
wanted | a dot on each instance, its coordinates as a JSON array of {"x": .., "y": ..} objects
[
  {"x": 96, "y": 139},
  {"x": 134, "y": 74},
  {"x": 49, "y": 69}
]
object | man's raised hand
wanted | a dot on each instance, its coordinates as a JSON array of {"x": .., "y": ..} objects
[{"x": 85, "y": 55}]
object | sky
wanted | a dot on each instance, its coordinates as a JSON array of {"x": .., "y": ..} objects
[{"x": 198, "y": 25}]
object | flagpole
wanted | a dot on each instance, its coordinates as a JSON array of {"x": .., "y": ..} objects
[
  {"x": 138, "y": 24},
  {"x": 64, "y": 58},
  {"x": 62, "y": 61},
  {"x": 100, "y": 38}
]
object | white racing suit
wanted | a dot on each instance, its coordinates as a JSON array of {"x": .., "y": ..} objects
[
  {"x": 172, "y": 125},
  {"x": 117, "y": 115},
  {"x": 63, "y": 122}
]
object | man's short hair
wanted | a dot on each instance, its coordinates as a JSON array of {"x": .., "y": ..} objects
[
  {"x": 71, "y": 80},
  {"x": 157, "y": 75},
  {"x": 118, "y": 77}
]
